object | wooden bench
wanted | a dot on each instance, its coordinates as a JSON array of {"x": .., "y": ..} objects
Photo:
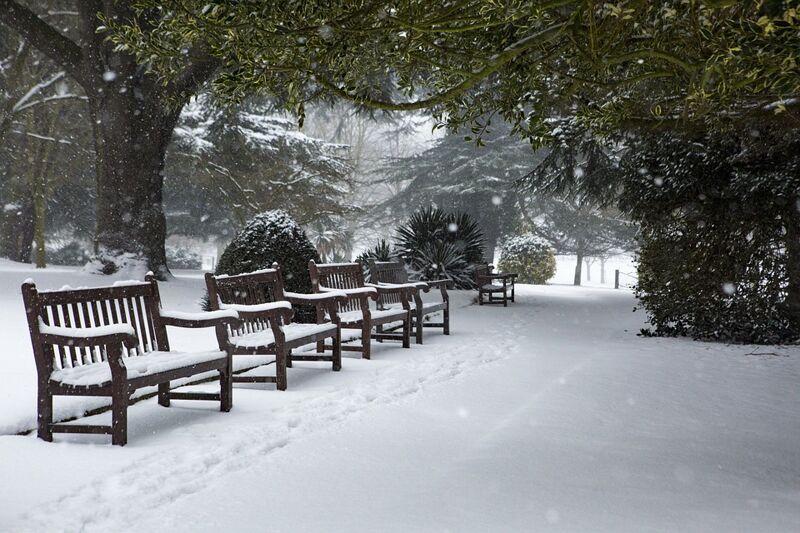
[
  {"x": 394, "y": 274},
  {"x": 265, "y": 309},
  {"x": 485, "y": 282},
  {"x": 111, "y": 341},
  {"x": 354, "y": 310}
]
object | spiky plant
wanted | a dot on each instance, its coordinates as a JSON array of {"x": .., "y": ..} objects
[
  {"x": 441, "y": 245},
  {"x": 383, "y": 251}
]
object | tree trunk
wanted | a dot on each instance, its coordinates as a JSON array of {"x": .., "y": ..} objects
[
  {"x": 588, "y": 268},
  {"x": 603, "y": 270},
  {"x": 133, "y": 117},
  {"x": 17, "y": 231},
  {"x": 130, "y": 159},
  {"x": 132, "y": 127},
  {"x": 793, "y": 261},
  {"x": 578, "y": 264}
]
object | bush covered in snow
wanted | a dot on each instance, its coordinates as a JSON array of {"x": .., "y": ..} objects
[
  {"x": 272, "y": 236},
  {"x": 720, "y": 233},
  {"x": 530, "y": 257},
  {"x": 72, "y": 253},
  {"x": 183, "y": 258},
  {"x": 441, "y": 245}
]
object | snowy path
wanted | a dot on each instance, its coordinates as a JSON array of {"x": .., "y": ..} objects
[{"x": 565, "y": 419}]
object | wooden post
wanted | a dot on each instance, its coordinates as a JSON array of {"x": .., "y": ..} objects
[{"x": 616, "y": 279}]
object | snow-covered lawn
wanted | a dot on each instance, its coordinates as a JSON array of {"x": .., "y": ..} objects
[{"x": 550, "y": 414}]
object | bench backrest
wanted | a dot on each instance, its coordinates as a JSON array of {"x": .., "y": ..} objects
[
  {"x": 388, "y": 272},
  {"x": 259, "y": 287},
  {"x": 480, "y": 272},
  {"x": 338, "y": 276},
  {"x": 135, "y": 303}
]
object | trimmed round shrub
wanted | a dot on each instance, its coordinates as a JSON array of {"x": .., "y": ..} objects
[
  {"x": 272, "y": 236},
  {"x": 441, "y": 245},
  {"x": 528, "y": 256}
]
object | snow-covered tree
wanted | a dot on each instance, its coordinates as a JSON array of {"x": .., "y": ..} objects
[
  {"x": 457, "y": 174},
  {"x": 227, "y": 164}
]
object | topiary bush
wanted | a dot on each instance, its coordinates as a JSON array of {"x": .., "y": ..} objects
[
  {"x": 273, "y": 236},
  {"x": 441, "y": 245},
  {"x": 530, "y": 257}
]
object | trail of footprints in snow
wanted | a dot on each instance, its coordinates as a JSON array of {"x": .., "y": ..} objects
[{"x": 163, "y": 477}]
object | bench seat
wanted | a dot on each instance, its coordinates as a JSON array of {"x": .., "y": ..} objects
[
  {"x": 377, "y": 316},
  {"x": 427, "y": 307},
  {"x": 490, "y": 287},
  {"x": 292, "y": 331},
  {"x": 149, "y": 364}
]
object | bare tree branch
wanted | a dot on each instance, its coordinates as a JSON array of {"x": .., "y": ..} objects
[{"x": 44, "y": 38}]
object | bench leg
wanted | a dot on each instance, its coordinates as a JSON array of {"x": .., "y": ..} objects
[
  {"x": 418, "y": 331},
  {"x": 289, "y": 359},
  {"x": 505, "y": 299},
  {"x": 163, "y": 394},
  {"x": 337, "y": 351},
  {"x": 280, "y": 368},
  {"x": 321, "y": 346},
  {"x": 226, "y": 389},
  {"x": 379, "y": 329},
  {"x": 512, "y": 293},
  {"x": 45, "y": 414},
  {"x": 446, "y": 319},
  {"x": 407, "y": 331},
  {"x": 119, "y": 416},
  {"x": 366, "y": 340},
  {"x": 480, "y": 298}
]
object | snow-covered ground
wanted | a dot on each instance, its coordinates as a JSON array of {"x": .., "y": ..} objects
[{"x": 549, "y": 414}]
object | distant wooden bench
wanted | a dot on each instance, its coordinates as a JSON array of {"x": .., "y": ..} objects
[
  {"x": 354, "y": 310},
  {"x": 393, "y": 273},
  {"x": 265, "y": 309},
  {"x": 111, "y": 341},
  {"x": 498, "y": 293}
]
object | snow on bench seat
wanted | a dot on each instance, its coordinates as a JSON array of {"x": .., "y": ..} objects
[
  {"x": 355, "y": 316},
  {"x": 435, "y": 306},
  {"x": 99, "y": 374},
  {"x": 291, "y": 331},
  {"x": 495, "y": 288}
]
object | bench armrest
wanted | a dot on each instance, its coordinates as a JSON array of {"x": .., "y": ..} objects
[
  {"x": 416, "y": 285},
  {"x": 392, "y": 289},
  {"x": 319, "y": 297},
  {"x": 282, "y": 309},
  {"x": 358, "y": 292},
  {"x": 203, "y": 319},
  {"x": 501, "y": 276}
]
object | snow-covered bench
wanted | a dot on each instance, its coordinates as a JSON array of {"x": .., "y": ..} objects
[
  {"x": 354, "y": 310},
  {"x": 394, "y": 274},
  {"x": 498, "y": 292},
  {"x": 267, "y": 328},
  {"x": 111, "y": 341}
]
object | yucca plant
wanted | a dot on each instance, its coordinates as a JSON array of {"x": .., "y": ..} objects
[
  {"x": 441, "y": 245},
  {"x": 383, "y": 251}
]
